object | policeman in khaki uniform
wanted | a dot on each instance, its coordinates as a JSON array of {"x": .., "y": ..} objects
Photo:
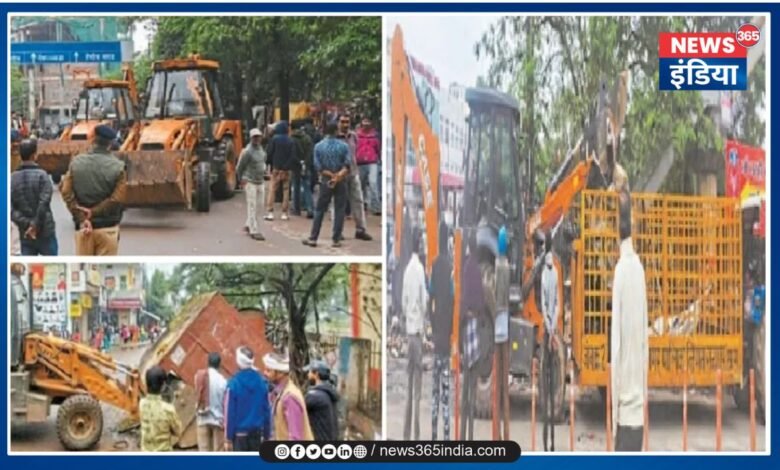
[
  {"x": 160, "y": 425},
  {"x": 93, "y": 189}
]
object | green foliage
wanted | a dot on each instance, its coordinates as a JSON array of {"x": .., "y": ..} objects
[
  {"x": 159, "y": 295},
  {"x": 18, "y": 91},
  {"x": 555, "y": 66},
  {"x": 142, "y": 69},
  {"x": 275, "y": 57}
]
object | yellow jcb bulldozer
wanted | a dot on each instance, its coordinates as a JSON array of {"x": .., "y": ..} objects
[
  {"x": 110, "y": 102},
  {"x": 46, "y": 370},
  {"x": 186, "y": 148}
]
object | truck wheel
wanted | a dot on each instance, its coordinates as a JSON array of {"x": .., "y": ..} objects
[
  {"x": 202, "y": 187},
  {"x": 559, "y": 382},
  {"x": 483, "y": 402},
  {"x": 225, "y": 185},
  {"x": 79, "y": 422}
]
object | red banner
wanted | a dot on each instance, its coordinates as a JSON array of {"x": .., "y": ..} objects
[
  {"x": 745, "y": 170},
  {"x": 124, "y": 304}
]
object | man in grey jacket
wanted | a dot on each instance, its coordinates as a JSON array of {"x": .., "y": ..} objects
[
  {"x": 550, "y": 310},
  {"x": 251, "y": 172}
]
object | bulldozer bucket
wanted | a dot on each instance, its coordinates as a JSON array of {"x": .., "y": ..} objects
[
  {"x": 54, "y": 156},
  {"x": 157, "y": 178}
]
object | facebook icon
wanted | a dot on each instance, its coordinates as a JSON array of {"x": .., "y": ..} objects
[{"x": 298, "y": 451}]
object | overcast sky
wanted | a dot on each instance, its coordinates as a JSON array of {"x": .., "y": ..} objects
[{"x": 445, "y": 43}]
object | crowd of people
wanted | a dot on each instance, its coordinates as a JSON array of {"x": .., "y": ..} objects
[
  {"x": 428, "y": 302},
  {"x": 241, "y": 412},
  {"x": 311, "y": 171},
  {"x": 107, "y": 335},
  {"x": 296, "y": 163}
]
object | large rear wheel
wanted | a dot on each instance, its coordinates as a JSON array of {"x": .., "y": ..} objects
[
  {"x": 79, "y": 422},
  {"x": 202, "y": 187},
  {"x": 225, "y": 185},
  {"x": 483, "y": 403}
]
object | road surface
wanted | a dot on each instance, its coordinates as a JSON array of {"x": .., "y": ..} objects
[
  {"x": 665, "y": 427},
  {"x": 42, "y": 437},
  {"x": 179, "y": 232}
]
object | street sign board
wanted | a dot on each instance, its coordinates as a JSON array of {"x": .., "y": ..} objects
[{"x": 25, "y": 53}]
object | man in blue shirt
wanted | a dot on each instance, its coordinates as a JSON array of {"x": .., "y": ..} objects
[
  {"x": 247, "y": 414},
  {"x": 331, "y": 162}
]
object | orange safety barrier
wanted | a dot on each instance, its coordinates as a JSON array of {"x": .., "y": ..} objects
[
  {"x": 752, "y": 410},
  {"x": 719, "y": 411},
  {"x": 571, "y": 405},
  {"x": 533, "y": 405},
  {"x": 609, "y": 407},
  {"x": 685, "y": 412},
  {"x": 691, "y": 251}
]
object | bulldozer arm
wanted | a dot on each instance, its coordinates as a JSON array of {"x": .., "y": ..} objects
[
  {"x": 156, "y": 178},
  {"x": 54, "y": 156}
]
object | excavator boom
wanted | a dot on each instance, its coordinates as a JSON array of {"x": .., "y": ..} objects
[{"x": 410, "y": 125}]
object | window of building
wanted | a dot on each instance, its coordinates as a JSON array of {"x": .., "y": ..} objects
[{"x": 123, "y": 282}]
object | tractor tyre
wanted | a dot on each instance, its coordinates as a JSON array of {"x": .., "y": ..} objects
[
  {"x": 79, "y": 422},
  {"x": 483, "y": 399},
  {"x": 202, "y": 187},
  {"x": 226, "y": 183}
]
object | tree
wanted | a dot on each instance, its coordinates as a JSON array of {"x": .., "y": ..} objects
[
  {"x": 293, "y": 287},
  {"x": 18, "y": 90},
  {"x": 159, "y": 295},
  {"x": 290, "y": 58},
  {"x": 555, "y": 66}
]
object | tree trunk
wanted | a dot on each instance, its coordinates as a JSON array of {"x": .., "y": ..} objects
[
  {"x": 299, "y": 346},
  {"x": 283, "y": 75}
]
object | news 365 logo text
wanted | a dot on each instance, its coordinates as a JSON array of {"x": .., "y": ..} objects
[{"x": 705, "y": 61}]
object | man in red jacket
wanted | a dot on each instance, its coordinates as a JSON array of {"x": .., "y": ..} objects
[{"x": 367, "y": 155}]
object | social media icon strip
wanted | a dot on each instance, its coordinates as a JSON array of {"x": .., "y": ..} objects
[
  {"x": 298, "y": 451},
  {"x": 313, "y": 451},
  {"x": 345, "y": 451},
  {"x": 328, "y": 451},
  {"x": 282, "y": 451},
  {"x": 360, "y": 451}
]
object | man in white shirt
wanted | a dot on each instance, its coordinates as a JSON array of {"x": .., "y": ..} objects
[
  {"x": 550, "y": 311},
  {"x": 415, "y": 302},
  {"x": 629, "y": 340},
  {"x": 210, "y": 390}
]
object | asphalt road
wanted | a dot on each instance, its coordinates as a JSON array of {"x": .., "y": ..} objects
[
  {"x": 665, "y": 418},
  {"x": 179, "y": 232},
  {"x": 42, "y": 437}
]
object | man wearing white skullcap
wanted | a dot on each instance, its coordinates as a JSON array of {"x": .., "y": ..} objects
[{"x": 291, "y": 423}]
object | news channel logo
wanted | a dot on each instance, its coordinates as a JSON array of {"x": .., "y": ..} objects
[{"x": 705, "y": 61}]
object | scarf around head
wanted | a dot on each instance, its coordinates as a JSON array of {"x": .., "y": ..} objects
[{"x": 244, "y": 361}]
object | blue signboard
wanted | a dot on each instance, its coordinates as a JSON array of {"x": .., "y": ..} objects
[{"x": 63, "y": 52}]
